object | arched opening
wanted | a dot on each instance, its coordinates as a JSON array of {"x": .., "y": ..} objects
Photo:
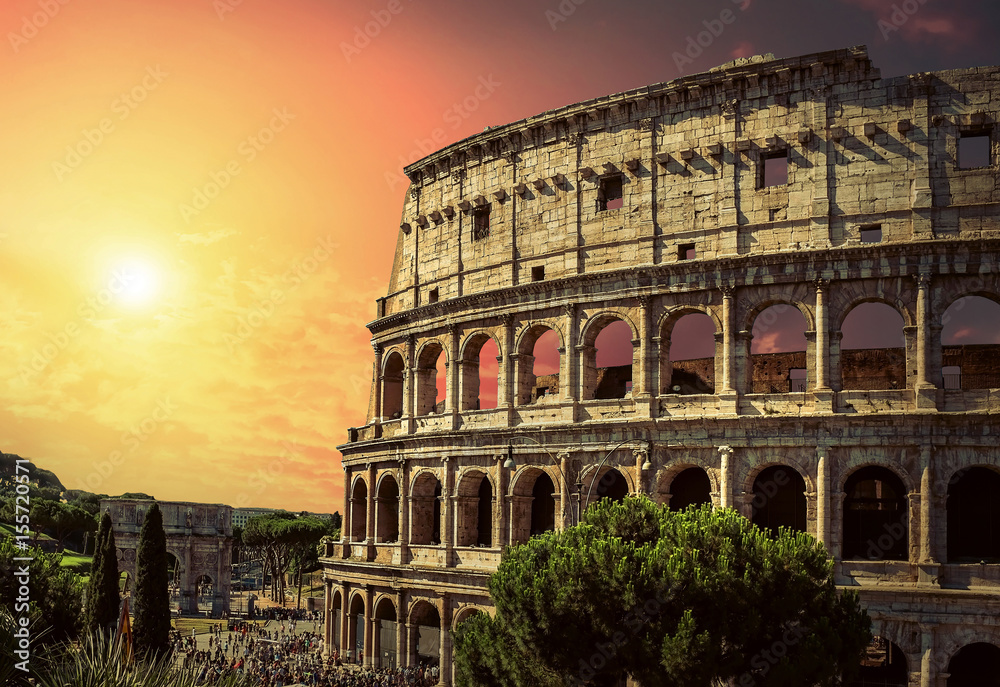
[
  {"x": 875, "y": 522},
  {"x": 778, "y": 351},
  {"x": 356, "y": 630},
  {"x": 974, "y": 516},
  {"x": 425, "y": 634},
  {"x": 543, "y": 505},
  {"x": 779, "y": 499},
  {"x": 359, "y": 511},
  {"x": 609, "y": 484},
  {"x": 464, "y": 615},
  {"x": 480, "y": 371},
  {"x": 689, "y": 366},
  {"x": 385, "y": 635},
  {"x": 975, "y": 665},
  {"x": 387, "y": 510},
  {"x": 205, "y": 593},
  {"x": 691, "y": 487},
  {"x": 475, "y": 510},
  {"x": 873, "y": 349},
  {"x": 537, "y": 366},
  {"x": 336, "y": 605},
  {"x": 431, "y": 380},
  {"x": 970, "y": 343},
  {"x": 883, "y": 665},
  {"x": 392, "y": 386},
  {"x": 425, "y": 510},
  {"x": 608, "y": 364}
]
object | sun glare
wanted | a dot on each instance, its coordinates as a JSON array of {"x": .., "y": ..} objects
[{"x": 134, "y": 283}]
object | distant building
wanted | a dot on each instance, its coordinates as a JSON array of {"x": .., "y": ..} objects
[{"x": 241, "y": 515}]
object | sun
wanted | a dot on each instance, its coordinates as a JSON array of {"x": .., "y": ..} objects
[{"x": 134, "y": 282}]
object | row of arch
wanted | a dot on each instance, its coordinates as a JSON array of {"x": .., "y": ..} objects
[
  {"x": 875, "y": 512},
  {"x": 387, "y": 636},
  {"x": 612, "y": 340},
  {"x": 886, "y": 665}
]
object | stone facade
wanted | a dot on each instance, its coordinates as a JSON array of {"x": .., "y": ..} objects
[
  {"x": 199, "y": 537},
  {"x": 811, "y": 182}
]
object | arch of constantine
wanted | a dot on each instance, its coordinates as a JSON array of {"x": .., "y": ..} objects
[
  {"x": 199, "y": 549},
  {"x": 809, "y": 188}
]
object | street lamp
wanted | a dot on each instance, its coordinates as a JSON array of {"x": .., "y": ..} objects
[{"x": 511, "y": 464}]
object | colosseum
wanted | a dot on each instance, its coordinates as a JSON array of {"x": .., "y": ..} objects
[{"x": 692, "y": 227}]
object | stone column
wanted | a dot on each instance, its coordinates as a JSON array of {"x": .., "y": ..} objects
[
  {"x": 502, "y": 535},
  {"x": 444, "y": 678},
  {"x": 370, "y": 522},
  {"x": 823, "y": 496},
  {"x": 641, "y": 386},
  {"x": 345, "y": 533},
  {"x": 926, "y": 655},
  {"x": 568, "y": 386},
  {"x": 345, "y": 618},
  {"x": 404, "y": 512},
  {"x": 927, "y": 548},
  {"x": 412, "y": 637},
  {"x": 453, "y": 374},
  {"x": 327, "y": 617},
  {"x": 410, "y": 388},
  {"x": 728, "y": 338},
  {"x": 725, "y": 488},
  {"x": 379, "y": 382},
  {"x": 640, "y": 455},
  {"x": 508, "y": 385},
  {"x": 925, "y": 389},
  {"x": 822, "y": 381},
  {"x": 401, "y": 629},
  {"x": 448, "y": 519},
  {"x": 369, "y": 649},
  {"x": 565, "y": 508}
]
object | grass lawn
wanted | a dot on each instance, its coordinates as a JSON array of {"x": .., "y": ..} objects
[
  {"x": 199, "y": 625},
  {"x": 76, "y": 562}
]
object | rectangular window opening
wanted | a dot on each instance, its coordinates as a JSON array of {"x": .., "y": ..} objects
[
  {"x": 538, "y": 273},
  {"x": 481, "y": 223},
  {"x": 432, "y": 296},
  {"x": 797, "y": 380},
  {"x": 609, "y": 194},
  {"x": 775, "y": 168},
  {"x": 870, "y": 233},
  {"x": 974, "y": 149},
  {"x": 686, "y": 251},
  {"x": 951, "y": 377}
]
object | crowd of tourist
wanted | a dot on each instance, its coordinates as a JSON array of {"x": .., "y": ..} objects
[{"x": 275, "y": 654}]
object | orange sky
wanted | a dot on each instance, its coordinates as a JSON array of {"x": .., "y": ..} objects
[{"x": 199, "y": 201}]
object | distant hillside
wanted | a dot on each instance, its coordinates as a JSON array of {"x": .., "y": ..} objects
[{"x": 44, "y": 478}]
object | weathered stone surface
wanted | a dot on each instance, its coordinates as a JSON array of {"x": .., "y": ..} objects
[{"x": 668, "y": 205}]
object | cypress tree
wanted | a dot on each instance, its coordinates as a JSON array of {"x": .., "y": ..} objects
[
  {"x": 102, "y": 591},
  {"x": 151, "y": 599}
]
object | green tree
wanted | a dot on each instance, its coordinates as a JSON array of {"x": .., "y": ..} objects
[
  {"x": 56, "y": 594},
  {"x": 151, "y": 599},
  {"x": 695, "y": 598},
  {"x": 102, "y": 592}
]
